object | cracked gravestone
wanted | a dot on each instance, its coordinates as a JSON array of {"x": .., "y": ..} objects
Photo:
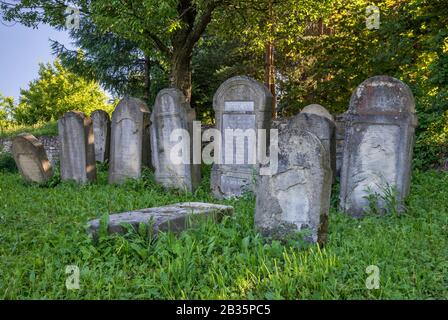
[
  {"x": 172, "y": 115},
  {"x": 174, "y": 218},
  {"x": 379, "y": 140},
  {"x": 296, "y": 197},
  {"x": 31, "y": 158},
  {"x": 77, "y": 150},
  {"x": 316, "y": 119},
  {"x": 130, "y": 140}
]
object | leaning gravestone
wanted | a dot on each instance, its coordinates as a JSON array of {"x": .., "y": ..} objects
[
  {"x": 172, "y": 113},
  {"x": 174, "y": 218},
  {"x": 241, "y": 105},
  {"x": 316, "y": 119},
  {"x": 296, "y": 197},
  {"x": 130, "y": 140},
  {"x": 31, "y": 158},
  {"x": 77, "y": 150},
  {"x": 379, "y": 141},
  {"x": 101, "y": 131}
]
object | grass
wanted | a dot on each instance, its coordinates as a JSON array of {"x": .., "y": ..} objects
[
  {"x": 44, "y": 129},
  {"x": 42, "y": 230}
]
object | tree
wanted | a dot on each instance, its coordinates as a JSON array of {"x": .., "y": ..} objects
[
  {"x": 171, "y": 27},
  {"x": 55, "y": 92}
]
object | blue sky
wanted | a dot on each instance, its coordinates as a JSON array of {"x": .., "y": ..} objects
[{"x": 21, "y": 50}]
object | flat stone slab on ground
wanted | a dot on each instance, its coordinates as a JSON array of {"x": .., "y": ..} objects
[{"x": 172, "y": 218}]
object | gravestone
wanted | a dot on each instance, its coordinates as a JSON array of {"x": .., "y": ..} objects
[
  {"x": 101, "y": 131},
  {"x": 244, "y": 104},
  {"x": 379, "y": 140},
  {"x": 130, "y": 140},
  {"x": 31, "y": 158},
  {"x": 316, "y": 119},
  {"x": 172, "y": 112},
  {"x": 174, "y": 218},
  {"x": 77, "y": 150},
  {"x": 296, "y": 197}
]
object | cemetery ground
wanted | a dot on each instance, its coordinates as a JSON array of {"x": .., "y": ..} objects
[{"x": 42, "y": 230}]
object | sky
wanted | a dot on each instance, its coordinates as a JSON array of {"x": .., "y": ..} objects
[{"x": 21, "y": 51}]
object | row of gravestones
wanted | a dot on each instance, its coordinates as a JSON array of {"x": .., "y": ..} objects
[{"x": 296, "y": 196}]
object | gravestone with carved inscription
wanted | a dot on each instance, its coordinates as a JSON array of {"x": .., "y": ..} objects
[
  {"x": 379, "y": 140},
  {"x": 242, "y": 107},
  {"x": 31, "y": 158},
  {"x": 130, "y": 140},
  {"x": 77, "y": 150},
  {"x": 101, "y": 131},
  {"x": 172, "y": 141}
]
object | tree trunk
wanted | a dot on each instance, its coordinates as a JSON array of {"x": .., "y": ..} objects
[
  {"x": 181, "y": 71},
  {"x": 147, "y": 93}
]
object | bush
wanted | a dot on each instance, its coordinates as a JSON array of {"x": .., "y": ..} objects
[{"x": 7, "y": 162}]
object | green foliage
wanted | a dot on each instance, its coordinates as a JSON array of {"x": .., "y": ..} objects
[
  {"x": 7, "y": 162},
  {"x": 39, "y": 129},
  {"x": 229, "y": 260},
  {"x": 55, "y": 92}
]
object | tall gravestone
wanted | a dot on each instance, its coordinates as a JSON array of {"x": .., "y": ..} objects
[
  {"x": 101, "y": 131},
  {"x": 379, "y": 142},
  {"x": 241, "y": 103},
  {"x": 77, "y": 150},
  {"x": 316, "y": 119},
  {"x": 31, "y": 158},
  {"x": 296, "y": 197},
  {"x": 130, "y": 140},
  {"x": 173, "y": 113}
]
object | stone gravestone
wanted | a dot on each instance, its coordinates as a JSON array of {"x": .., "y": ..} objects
[
  {"x": 296, "y": 197},
  {"x": 101, "y": 131},
  {"x": 130, "y": 140},
  {"x": 174, "y": 218},
  {"x": 242, "y": 104},
  {"x": 379, "y": 141},
  {"x": 31, "y": 158},
  {"x": 172, "y": 112},
  {"x": 77, "y": 150},
  {"x": 316, "y": 119}
]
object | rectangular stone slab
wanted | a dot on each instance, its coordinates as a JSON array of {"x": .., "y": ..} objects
[{"x": 174, "y": 218}]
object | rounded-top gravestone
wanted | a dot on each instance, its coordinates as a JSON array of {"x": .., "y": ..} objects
[
  {"x": 172, "y": 115},
  {"x": 242, "y": 107},
  {"x": 378, "y": 148},
  {"x": 130, "y": 140}
]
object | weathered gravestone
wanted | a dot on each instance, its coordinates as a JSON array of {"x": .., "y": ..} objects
[
  {"x": 171, "y": 119},
  {"x": 130, "y": 140},
  {"x": 77, "y": 150},
  {"x": 174, "y": 218},
  {"x": 31, "y": 158},
  {"x": 242, "y": 107},
  {"x": 316, "y": 119},
  {"x": 378, "y": 147},
  {"x": 101, "y": 131},
  {"x": 296, "y": 197}
]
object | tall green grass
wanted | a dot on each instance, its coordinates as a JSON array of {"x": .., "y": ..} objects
[{"x": 42, "y": 230}]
